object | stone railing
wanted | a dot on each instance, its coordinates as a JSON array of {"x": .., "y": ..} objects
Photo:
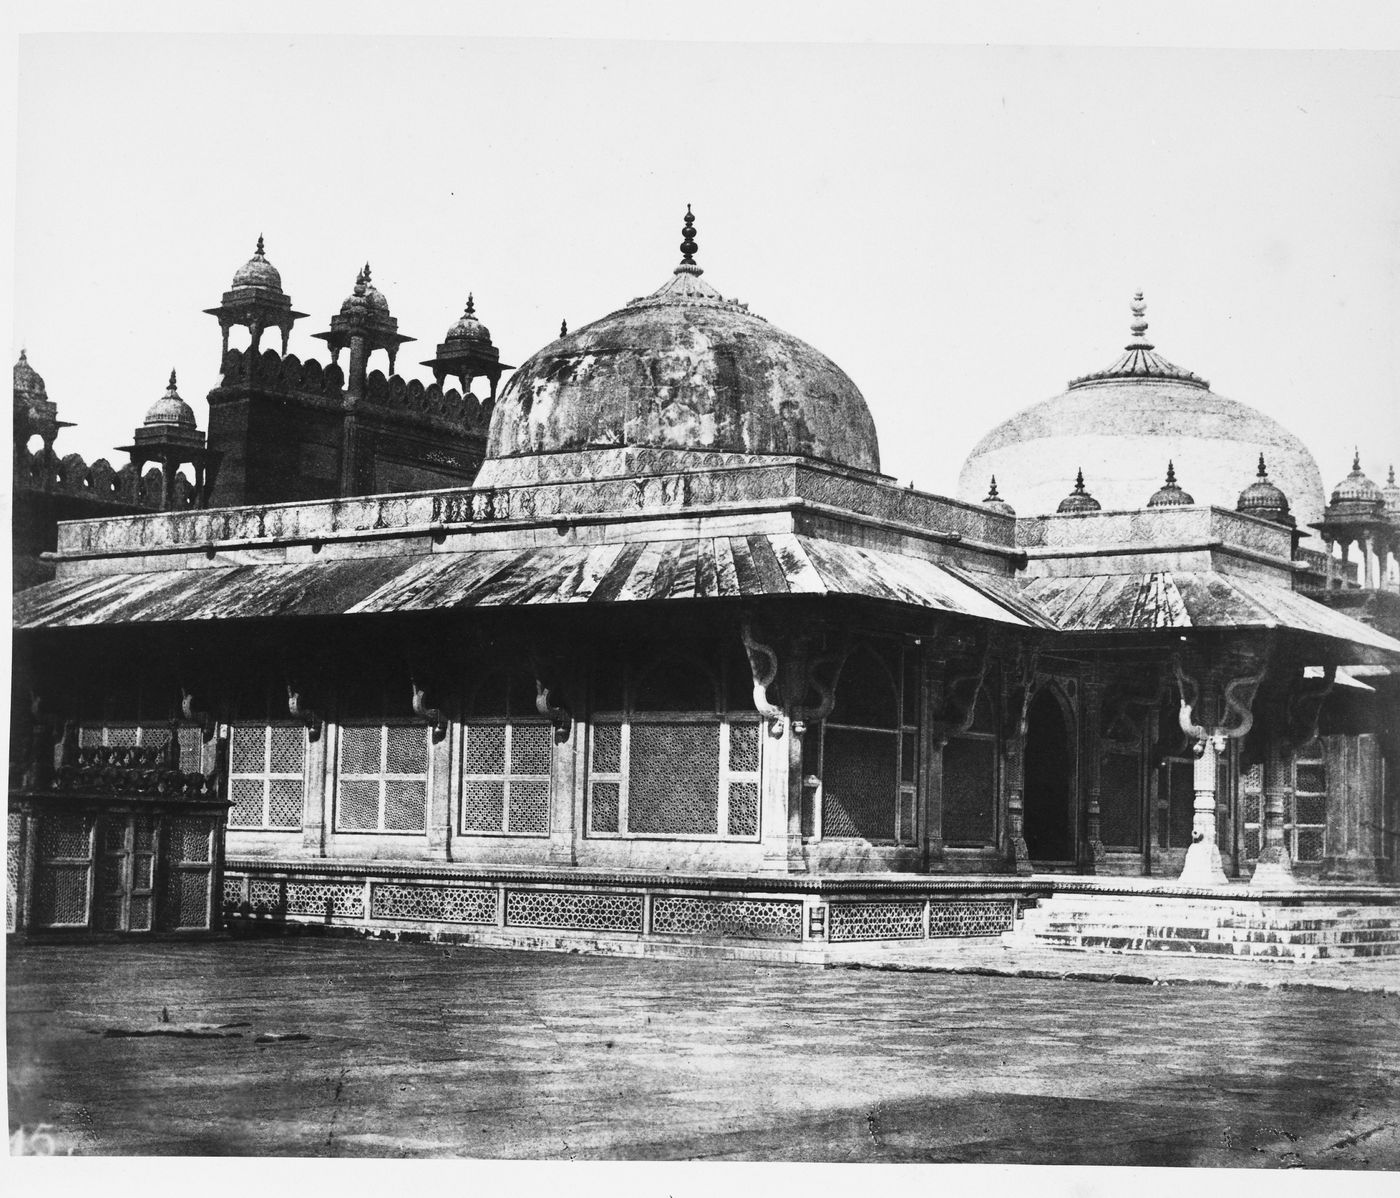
[
  {"x": 1153, "y": 529},
  {"x": 760, "y": 485}
]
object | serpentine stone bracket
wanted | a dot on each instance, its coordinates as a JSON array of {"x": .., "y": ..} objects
[
  {"x": 205, "y": 719},
  {"x": 1238, "y": 698},
  {"x": 556, "y": 713},
  {"x": 432, "y": 716},
  {"x": 803, "y": 673},
  {"x": 301, "y": 711},
  {"x": 956, "y": 696},
  {"x": 1304, "y": 705}
]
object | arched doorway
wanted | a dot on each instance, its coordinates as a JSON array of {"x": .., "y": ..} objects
[{"x": 1049, "y": 807}]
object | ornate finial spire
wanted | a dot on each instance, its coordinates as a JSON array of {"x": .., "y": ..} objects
[
  {"x": 688, "y": 246},
  {"x": 1139, "y": 325},
  {"x": 563, "y": 328},
  {"x": 1171, "y": 473},
  {"x": 992, "y": 490},
  {"x": 1390, "y": 482},
  {"x": 1079, "y": 482},
  {"x": 367, "y": 275},
  {"x": 171, "y": 387},
  {"x": 1263, "y": 470},
  {"x": 22, "y": 358},
  {"x": 1356, "y": 460},
  {"x": 259, "y": 252},
  {"x": 471, "y": 307}
]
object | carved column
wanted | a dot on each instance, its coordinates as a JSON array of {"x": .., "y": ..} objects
[
  {"x": 1092, "y": 700},
  {"x": 1211, "y": 722},
  {"x": 1018, "y": 688},
  {"x": 1275, "y": 866},
  {"x": 799, "y": 672}
]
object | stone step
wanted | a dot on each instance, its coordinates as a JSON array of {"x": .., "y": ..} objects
[
  {"x": 1213, "y": 948},
  {"x": 1388, "y": 935}
]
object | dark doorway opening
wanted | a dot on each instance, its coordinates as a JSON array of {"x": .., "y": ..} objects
[{"x": 1049, "y": 810}]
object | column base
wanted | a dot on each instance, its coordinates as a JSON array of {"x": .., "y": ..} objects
[
  {"x": 1274, "y": 868},
  {"x": 1203, "y": 866},
  {"x": 1021, "y": 856}
]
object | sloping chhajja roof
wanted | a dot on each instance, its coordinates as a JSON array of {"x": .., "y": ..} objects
[
  {"x": 1167, "y": 600},
  {"x": 700, "y": 568}
]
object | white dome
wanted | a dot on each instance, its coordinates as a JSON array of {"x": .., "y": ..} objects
[{"x": 1122, "y": 425}]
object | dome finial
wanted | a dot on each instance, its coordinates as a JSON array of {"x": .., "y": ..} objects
[
  {"x": 1390, "y": 482},
  {"x": 259, "y": 252},
  {"x": 1263, "y": 470},
  {"x": 171, "y": 388},
  {"x": 1079, "y": 482},
  {"x": 24, "y": 359},
  {"x": 1356, "y": 460},
  {"x": 1139, "y": 325},
  {"x": 1171, "y": 473},
  {"x": 688, "y": 246},
  {"x": 471, "y": 306},
  {"x": 563, "y": 328},
  {"x": 992, "y": 490}
]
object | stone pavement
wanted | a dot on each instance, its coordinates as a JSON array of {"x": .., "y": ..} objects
[
  {"x": 990, "y": 957},
  {"x": 312, "y": 1046}
]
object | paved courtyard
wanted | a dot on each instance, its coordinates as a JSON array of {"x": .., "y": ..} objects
[{"x": 332, "y": 1047}]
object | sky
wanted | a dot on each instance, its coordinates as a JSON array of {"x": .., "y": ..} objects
[{"x": 959, "y": 226}]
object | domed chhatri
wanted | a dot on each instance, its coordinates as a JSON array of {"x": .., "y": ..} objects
[
  {"x": 468, "y": 328},
  {"x": 1264, "y": 500},
  {"x": 364, "y": 317},
  {"x": 1356, "y": 495},
  {"x": 1123, "y": 421},
  {"x": 365, "y": 296},
  {"x": 29, "y": 383},
  {"x": 255, "y": 301},
  {"x": 1391, "y": 491},
  {"x": 1079, "y": 502},
  {"x": 467, "y": 352},
  {"x": 685, "y": 369},
  {"x": 1170, "y": 494},
  {"x": 258, "y": 272},
  {"x": 170, "y": 411},
  {"x": 996, "y": 502}
]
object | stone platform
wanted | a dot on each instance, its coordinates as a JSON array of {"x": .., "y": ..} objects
[
  {"x": 1316, "y": 923},
  {"x": 807, "y": 919}
]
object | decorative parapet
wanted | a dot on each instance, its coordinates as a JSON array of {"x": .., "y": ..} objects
[
  {"x": 1153, "y": 530},
  {"x": 289, "y": 375},
  {"x": 138, "y": 772},
  {"x": 72, "y": 477},
  {"x": 764, "y": 486}
]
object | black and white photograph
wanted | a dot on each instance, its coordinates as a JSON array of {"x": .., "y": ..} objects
[{"x": 695, "y": 584}]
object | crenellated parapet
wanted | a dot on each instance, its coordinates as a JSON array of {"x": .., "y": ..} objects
[
  {"x": 286, "y": 375},
  {"x": 99, "y": 482},
  {"x": 325, "y": 383},
  {"x": 411, "y": 397}
]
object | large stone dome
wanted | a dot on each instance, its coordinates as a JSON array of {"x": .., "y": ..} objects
[
  {"x": 1122, "y": 423},
  {"x": 683, "y": 369}
]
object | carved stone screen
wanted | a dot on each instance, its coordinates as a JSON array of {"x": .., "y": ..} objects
[
  {"x": 969, "y": 791},
  {"x": 505, "y": 778},
  {"x": 1120, "y": 800},
  {"x": 383, "y": 782},
  {"x": 266, "y": 775},
  {"x": 860, "y": 781},
  {"x": 673, "y": 779}
]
